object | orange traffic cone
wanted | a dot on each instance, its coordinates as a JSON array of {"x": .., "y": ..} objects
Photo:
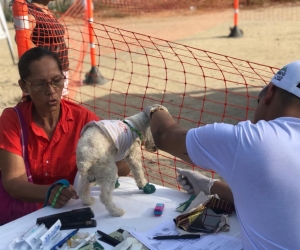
[{"x": 21, "y": 23}]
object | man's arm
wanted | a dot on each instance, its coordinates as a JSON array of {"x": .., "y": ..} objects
[
  {"x": 168, "y": 136},
  {"x": 223, "y": 191},
  {"x": 32, "y": 24}
]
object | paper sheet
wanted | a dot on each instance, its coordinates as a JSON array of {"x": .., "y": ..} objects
[{"x": 206, "y": 242}]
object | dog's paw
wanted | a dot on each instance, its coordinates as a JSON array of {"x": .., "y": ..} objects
[
  {"x": 117, "y": 212},
  {"x": 89, "y": 201},
  {"x": 117, "y": 184},
  {"x": 149, "y": 188}
]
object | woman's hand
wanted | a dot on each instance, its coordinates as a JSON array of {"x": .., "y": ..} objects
[{"x": 60, "y": 196}]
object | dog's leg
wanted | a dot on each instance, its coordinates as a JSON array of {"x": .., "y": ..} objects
[
  {"x": 84, "y": 191},
  {"x": 134, "y": 160},
  {"x": 106, "y": 178}
]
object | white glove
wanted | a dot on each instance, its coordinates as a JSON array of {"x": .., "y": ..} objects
[{"x": 194, "y": 182}]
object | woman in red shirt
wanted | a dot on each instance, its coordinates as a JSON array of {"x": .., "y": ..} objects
[{"x": 53, "y": 126}]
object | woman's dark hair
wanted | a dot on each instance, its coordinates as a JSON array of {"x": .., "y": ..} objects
[{"x": 32, "y": 55}]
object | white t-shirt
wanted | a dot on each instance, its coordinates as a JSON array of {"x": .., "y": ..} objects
[{"x": 260, "y": 164}]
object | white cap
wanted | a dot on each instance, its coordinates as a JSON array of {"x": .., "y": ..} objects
[{"x": 288, "y": 78}]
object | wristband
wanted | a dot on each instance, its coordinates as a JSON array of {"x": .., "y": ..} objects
[
  {"x": 158, "y": 108},
  {"x": 63, "y": 182},
  {"x": 57, "y": 194}
]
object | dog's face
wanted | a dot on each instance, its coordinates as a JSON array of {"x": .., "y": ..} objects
[{"x": 149, "y": 142}]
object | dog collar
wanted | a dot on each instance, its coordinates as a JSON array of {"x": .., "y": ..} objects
[{"x": 134, "y": 130}]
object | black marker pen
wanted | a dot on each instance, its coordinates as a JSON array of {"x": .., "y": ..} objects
[{"x": 177, "y": 237}]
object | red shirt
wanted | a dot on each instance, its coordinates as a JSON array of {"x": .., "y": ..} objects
[{"x": 49, "y": 160}]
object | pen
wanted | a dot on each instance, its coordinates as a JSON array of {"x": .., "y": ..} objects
[
  {"x": 64, "y": 240},
  {"x": 112, "y": 241},
  {"x": 177, "y": 237}
]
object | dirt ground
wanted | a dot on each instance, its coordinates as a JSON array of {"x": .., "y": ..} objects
[{"x": 268, "y": 42}]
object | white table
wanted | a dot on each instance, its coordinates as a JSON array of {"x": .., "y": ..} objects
[{"x": 138, "y": 206}]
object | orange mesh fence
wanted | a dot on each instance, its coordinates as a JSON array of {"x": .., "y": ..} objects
[
  {"x": 119, "y": 8},
  {"x": 278, "y": 10},
  {"x": 108, "y": 7},
  {"x": 197, "y": 86},
  {"x": 250, "y": 9}
]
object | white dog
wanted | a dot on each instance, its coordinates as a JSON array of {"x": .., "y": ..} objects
[{"x": 105, "y": 142}]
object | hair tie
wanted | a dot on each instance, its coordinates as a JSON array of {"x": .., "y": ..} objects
[
  {"x": 63, "y": 182},
  {"x": 57, "y": 194}
]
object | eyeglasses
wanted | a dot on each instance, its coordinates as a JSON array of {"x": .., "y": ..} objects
[
  {"x": 56, "y": 82},
  {"x": 262, "y": 93}
]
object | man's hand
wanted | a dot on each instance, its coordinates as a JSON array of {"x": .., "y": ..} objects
[
  {"x": 194, "y": 182},
  {"x": 65, "y": 195}
]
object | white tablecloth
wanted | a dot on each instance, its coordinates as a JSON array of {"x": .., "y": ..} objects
[{"x": 138, "y": 206}]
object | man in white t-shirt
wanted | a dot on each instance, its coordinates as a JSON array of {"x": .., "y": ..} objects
[{"x": 259, "y": 161}]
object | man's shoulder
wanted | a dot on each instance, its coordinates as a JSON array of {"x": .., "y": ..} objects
[
  {"x": 271, "y": 123},
  {"x": 288, "y": 119},
  {"x": 269, "y": 129}
]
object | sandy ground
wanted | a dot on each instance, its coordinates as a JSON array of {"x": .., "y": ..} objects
[
  {"x": 272, "y": 43},
  {"x": 268, "y": 42}
]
